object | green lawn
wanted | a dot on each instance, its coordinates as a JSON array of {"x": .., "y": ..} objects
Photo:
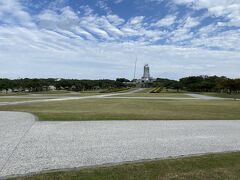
[
  {"x": 207, "y": 167},
  {"x": 52, "y": 93},
  {"x": 76, "y": 94},
  {"x": 13, "y": 94},
  {"x": 131, "y": 109},
  {"x": 18, "y": 99}
]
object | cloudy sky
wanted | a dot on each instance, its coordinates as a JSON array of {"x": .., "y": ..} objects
[{"x": 94, "y": 39}]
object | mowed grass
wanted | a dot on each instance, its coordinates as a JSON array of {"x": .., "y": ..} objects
[
  {"x": 209, "y": 167},
  {"x": 18, "y": 99},
  {"x": 52, "y": 93},
  {"x": 132, "y": 109},
  {"x": 76, "y": 94}
]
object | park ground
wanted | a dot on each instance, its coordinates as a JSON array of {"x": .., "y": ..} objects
[
  {"x": 167, "y": 105},
  {"x": 214, "y": 166}
]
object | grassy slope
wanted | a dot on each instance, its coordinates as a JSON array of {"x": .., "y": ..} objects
[
  {"x": 131, "y": 109},
  {"x": 212, "y": 167}
]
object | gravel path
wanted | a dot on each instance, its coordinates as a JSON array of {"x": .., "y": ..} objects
[
  {"x": 28, "y": 146},
  {"x": 153, "y": 98},
  {"x": 199, "y": 96}
]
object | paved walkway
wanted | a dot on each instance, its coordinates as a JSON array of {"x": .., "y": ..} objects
[
  {"x": 28, "y": 146},
  {"x": 152, "y": 98},
  {"x": 199, "y": 96}
]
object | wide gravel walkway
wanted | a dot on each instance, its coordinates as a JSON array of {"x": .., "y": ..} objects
[
  {"x": 204, "y": 97},
  {"x": 28, "y": 146}
]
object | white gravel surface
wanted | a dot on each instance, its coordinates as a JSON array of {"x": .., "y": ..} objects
[
  {"x": 199, "y": 96},
  {"x": 153, "y": 98},
  {"x": 28, "y": 146}
]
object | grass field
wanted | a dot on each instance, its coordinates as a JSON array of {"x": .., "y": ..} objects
[
  {"x": 68, "y": 94},
  {"x": 209, "y": 167},
  {"x": 83, "y": 93},
  {"x": 52, "y": 93},
  {"x": 13, "y": 94},
  {"x": 131, "y": 109},
  {"x": 18, "y": 99}
]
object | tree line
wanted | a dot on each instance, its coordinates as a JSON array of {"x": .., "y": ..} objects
[
  {"x": 202, "y": 84},
  {"x": 192, "y": 83},
  {"x": 35, "y": 85}
]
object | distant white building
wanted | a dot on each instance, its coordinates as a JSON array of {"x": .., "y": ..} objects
[
  {"x": 146, "y": 79},
  {"x": 146, "y": 75}
]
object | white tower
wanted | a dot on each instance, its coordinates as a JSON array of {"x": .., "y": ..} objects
[{"x": 146, "y": 73}]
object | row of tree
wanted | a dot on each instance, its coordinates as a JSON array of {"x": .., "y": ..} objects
[
  {"x": 210, "y": 84},
  {"x": 192, "y": 83},
  {"x": 202, "y": 84},
  {"x": 62, "y": 84}
]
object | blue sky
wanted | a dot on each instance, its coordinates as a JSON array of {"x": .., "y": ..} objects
[{"x": 90, "y": 39}]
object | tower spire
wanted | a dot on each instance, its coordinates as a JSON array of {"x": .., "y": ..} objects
[{"x": 135, "y": 67}]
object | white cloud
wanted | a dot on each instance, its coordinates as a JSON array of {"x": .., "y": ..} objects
[
  {"x": 225, "y": 41},
  {"x": 88, "y": 26},
  {"x": 115, "y": 20},
  {"x": 191, "y": 22},
  {"x": 136, "y": 20},
  {"x": 103, "y": 4},
  {"x": 167, "y": 21},
  {"x": 229, "y": 9},
  {"x": 118, "y": 1},
  {"x": 12, "y": 12},
  {"x": 64, "y": 20},
  {"x": 57, "y": 53}
]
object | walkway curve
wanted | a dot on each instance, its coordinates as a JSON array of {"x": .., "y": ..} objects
[
  {"x": 28, "y": 146},
  {"x": 204, "y": 97}
]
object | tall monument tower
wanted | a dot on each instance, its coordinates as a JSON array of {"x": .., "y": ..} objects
[{"x": 146, "y": 73}]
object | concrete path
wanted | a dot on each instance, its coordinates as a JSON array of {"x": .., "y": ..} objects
[
  {"x": 28, "y": 146},
  {"x": 152, "y": 98},
  {"x": 204, "y": 97},
  {"x": 192, "y": 96}
]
